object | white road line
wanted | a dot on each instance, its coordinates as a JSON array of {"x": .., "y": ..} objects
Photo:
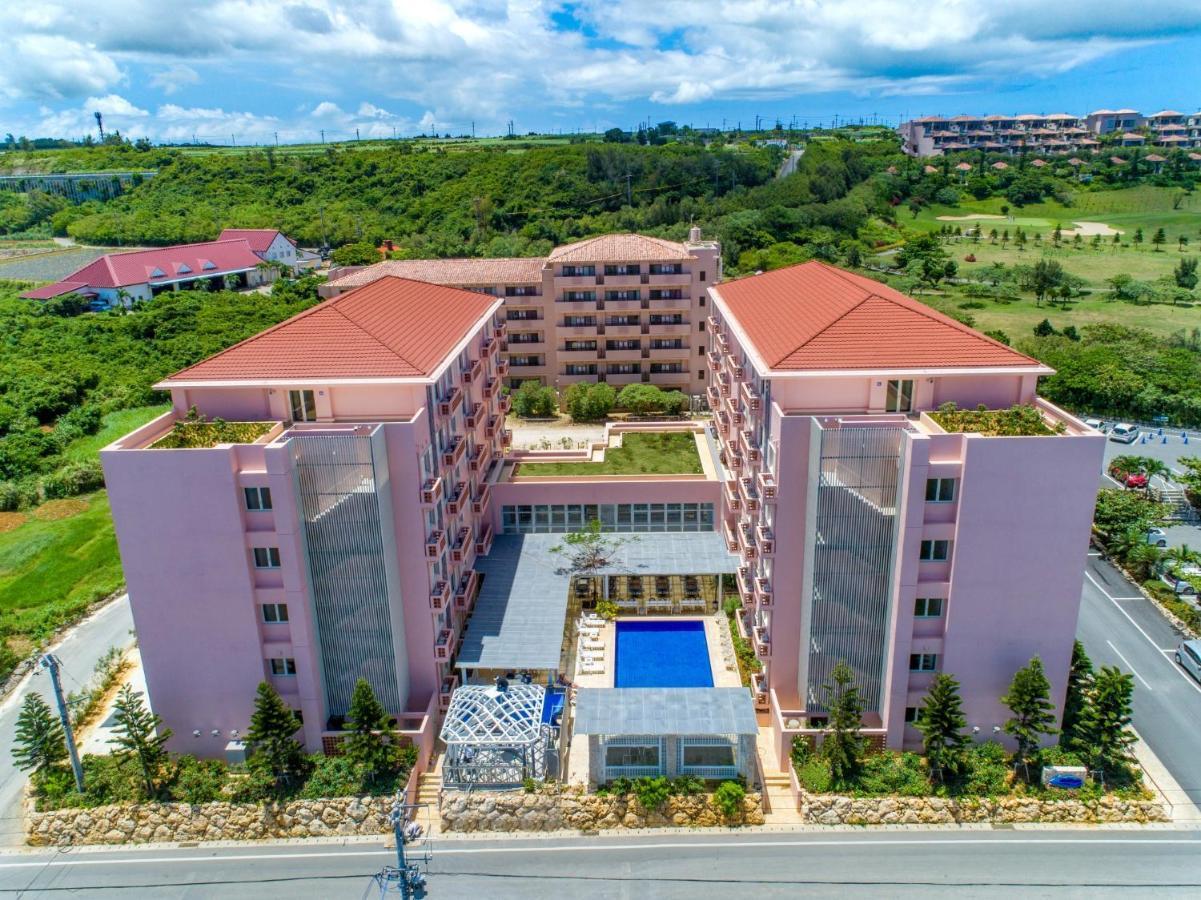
[
  {"x": 1118, "y": 606},
  {"x": 1130, "y": 667},
  {"x": 538, "y": 847}
]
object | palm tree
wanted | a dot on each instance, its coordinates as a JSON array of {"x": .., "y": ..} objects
[{"x": 1183, "y": 555}]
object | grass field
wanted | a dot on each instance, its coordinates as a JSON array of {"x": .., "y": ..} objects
[
  {"x": 657, "y": 453},
  {"x": 54, "y": 562},
  {"x": 113, "y": 426}
]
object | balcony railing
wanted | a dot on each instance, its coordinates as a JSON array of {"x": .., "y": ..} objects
[
  {"x": 445, "y": 690},
  {"x": 456, "y": 497},
  {"x": 746, "y": 543},
  {"x": 763, "y": 592},
  {"x": 465, "y": 592},
  {"x": 723, "y": 384},
  {"x": 462, "y": 545},
  {"x": 454, "y": 453},
  {"x": 712, "y": 324},
  {"x": 490, "y": 348},
  {"x": 451, "y": 402},
  {"x": 473, "y": 372},
  {"x": 714, "y": 360},
  {"x": 431, "y": 491},
  {"x": 759, "y": 691},
  {"x": 490, "y": 426},
  {"x": 481, "y": 499},
  {"x": 435, "y": 544},
  {"x": 490, "y": 387},
  {"x": 723, "y": 423},
  {"x": 501, "y": 331},
  {"x": 474, "y": 416},
  {"x": 767, "y": 540},
  {"x": 767, "y": 486},
  {"x": 739, "y": 372},
  {"x": 483, "y": 543},
  {"x": 733, "y": 501},
  {"x": 713, "y": 397},
  {"x": 480, "y": 457},
  {"x": 506, "y": 438},
  {"x": 762, "y": 641},
  {"x": 444, "y": 643},
  {"x": 750, "y": 397},
  {"x": 439, "y": 595},
  {"x": 731, "y": 536},
  {"x": 505, "y": 404},
  {"x": 502, "y": 368}
]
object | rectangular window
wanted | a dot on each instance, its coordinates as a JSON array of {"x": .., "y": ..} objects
[
  {"x": 623, "y": 269},
  {"x": 303, "y": 405},
  {"x": 940, "y": 490},
  {"x": 935, "y": 551},
  {"x": 257, "y": 498},
  {"x": 707, "y": 755},
  {"x": 900, "y": 396},
  {"x": 667, "y": 268},
  {"x": 275, "y": 612},
  {"x": 621, "y": 295},
  {"x": 700, "y": 374},
  {"x": 927, "y": 607},
  {"x": 910, "y": 715},
  {"x": 266, "y": 557},
  {"x": 284, "y": 665},
  {"x": 622, "y": 757},
  {"x": 576, "y": 271},
  {"x": 923, "y": 662}
]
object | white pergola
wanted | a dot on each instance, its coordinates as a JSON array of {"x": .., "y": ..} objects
[{"x": 495, "y": 736}]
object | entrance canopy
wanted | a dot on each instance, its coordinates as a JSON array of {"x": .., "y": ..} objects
[{"x": 521, "y": 609}]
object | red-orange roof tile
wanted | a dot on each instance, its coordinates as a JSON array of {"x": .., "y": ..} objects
[
  {"x": 813, "y": 316},
  {"x": 391, "y": 328},
  {"x": 461, "y": 271}
]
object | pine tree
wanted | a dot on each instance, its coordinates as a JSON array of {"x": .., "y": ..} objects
[
  {"x": 844, "y": 745},
  {"x": 1029, "y": 699},
  {"x": 270, "y": 736},
  {"x": 137, "y": 733},
  {"x": 40, "y": 742},
  {"x": 1080, "y": 685},
  {"x": 369, "y": 745},
  {"x": 1105, "y": 730},
  {"x": 941, "y": 722}
]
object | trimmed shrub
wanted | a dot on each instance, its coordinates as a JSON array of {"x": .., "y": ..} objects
[
  {"x": 73, "y": 478},
  {"x": 728, "y": 797},
  {"x": 652, "y": 792}
]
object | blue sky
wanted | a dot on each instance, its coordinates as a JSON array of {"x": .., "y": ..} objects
[{"x": 251, "y": 70}]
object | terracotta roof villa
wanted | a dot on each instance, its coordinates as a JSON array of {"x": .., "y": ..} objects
[
  {"x": 619, "y": 246},
  {"x": 461, "y": 271}
]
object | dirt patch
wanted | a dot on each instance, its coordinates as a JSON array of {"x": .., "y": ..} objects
[
  {"x": 969, "y": 218},
  {"x": 1088, "y": 229},
  {"x": 53, "y": 510},
  {"x": 11, "y": 520}
]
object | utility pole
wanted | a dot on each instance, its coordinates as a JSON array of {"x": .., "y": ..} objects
[
  {"x": 276, "y": 133},
  {"x": 51, "y": 664},
  {"x": 406, "y": 875},
  {"x": 356, "y": 134},
  {"x": 473, "y": 129},
  {"x": 323, "y": 135}
]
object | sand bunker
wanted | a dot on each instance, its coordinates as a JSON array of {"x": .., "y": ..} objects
[
  {"x": 1088, "y": 229},
  {"x": 969, "y": 218}
]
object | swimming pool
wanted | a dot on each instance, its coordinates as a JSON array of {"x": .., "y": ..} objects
[{"x": 662, "y": 653}]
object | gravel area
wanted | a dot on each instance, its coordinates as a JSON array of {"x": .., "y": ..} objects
[{"x": 49, "y": 266}]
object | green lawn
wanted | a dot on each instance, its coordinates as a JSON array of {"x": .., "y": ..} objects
[
  {"x": 52, "y": 568},
  {"x": 114, "y": 425},
  {"x": 654, "y": 453}
]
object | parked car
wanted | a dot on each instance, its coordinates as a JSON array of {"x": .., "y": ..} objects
[
  {"x": 1136, "y": 481},
  {"x": 1188, "y": 655},
  {"x": 1179, "y": 580},
  {"x": 1096, "y": 424},
  {"x": 1124, "y": 433},
  {"x": 1157, "y": 537}
]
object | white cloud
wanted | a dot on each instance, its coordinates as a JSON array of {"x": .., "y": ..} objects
[{"x": 450, "y": 62}]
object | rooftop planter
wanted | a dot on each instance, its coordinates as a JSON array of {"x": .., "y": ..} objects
[
  {"x": 641, "y": 453},
  {"x": 197, "y": 433},
  {"x": 1023, "y": 420}
]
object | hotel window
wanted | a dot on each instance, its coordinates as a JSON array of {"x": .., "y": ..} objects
[
  {"x": 266, "y": 557},
  {"x": 935, "y": 551},
  {"x": 927, "y": 607},
  {"x": 707, "y": 755},
  {"x": 579, "y": 296},
  {"x": 667, "y": 269},
  {"x": 632, "y": 756},
  {"x": 283, "y": 665},
  {"x": 520, "y": 291},
  {"x": 621, "y": 295},
  {"x": 275, "y": 613},
  {"x": 940, "y": 490},
  {"x": 304, "y": 405},
  {"x": 923, "y": 662},
  {"x": 257, "y": 498},
  {"x": 623, "y": 269},
  {"x": 900, "y": 396},
  {"x": 910, "y": 715},
  {"x": 575, "y": 271}
]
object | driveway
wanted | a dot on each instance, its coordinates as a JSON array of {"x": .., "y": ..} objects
[{"x": 79, "y": 651}]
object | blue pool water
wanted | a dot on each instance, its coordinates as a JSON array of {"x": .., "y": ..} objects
[{"x": 662, "y": 653}]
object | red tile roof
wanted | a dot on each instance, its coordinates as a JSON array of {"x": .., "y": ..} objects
[
  {"x": 176, "y": 263},
  {"x": 619, "y": 248},
  {"x": 259, "y": 239},
  {"x": 46, "y": 291},
  {"x": 813, "y": 316},
  {"x": 391, "y": 328},
  {"x": 515, "y": 270}
]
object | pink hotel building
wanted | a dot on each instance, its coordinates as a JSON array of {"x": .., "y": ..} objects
[{"x": 376, "y": 527}]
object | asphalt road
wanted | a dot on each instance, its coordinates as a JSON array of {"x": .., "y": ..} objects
[
  {"x": 883, "y": 864},
  {"x": 79, "y": 652},
  {"x": 1119, "y": 627}
]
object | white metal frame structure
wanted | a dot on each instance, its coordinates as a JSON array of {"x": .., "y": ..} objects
[{"x": 495, "y": 736}]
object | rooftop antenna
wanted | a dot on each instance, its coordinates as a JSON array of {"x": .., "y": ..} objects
[{"x": 100, "y": 124}]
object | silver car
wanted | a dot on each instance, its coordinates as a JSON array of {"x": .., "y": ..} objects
[{"x": 1188, "y": 654}]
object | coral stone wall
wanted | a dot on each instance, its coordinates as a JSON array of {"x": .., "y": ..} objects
[
  {"x": 836, "y": 809},
  {"x": 572, "y": 808},
  {"x": 145, "y": 822}
]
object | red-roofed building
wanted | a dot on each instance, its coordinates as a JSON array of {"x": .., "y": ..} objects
[
  {"x": 124, "y": 278},
  {"x": 272, "y": 245}
]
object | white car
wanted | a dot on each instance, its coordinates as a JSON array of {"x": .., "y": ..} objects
[
  {"x": 1157, "y": 537},
  {"x": 1095, "y": 424},
  {"x": 1124, "y": 433},
  {"x": 1188, "y": 655}
]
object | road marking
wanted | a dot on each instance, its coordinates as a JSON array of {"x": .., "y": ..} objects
[
  {"x": 1128, "y": 666},
  {"x": 537, "y": 846},
  {"x": 1175, "y": 668},
  {"x": 1094, "y": 553}
]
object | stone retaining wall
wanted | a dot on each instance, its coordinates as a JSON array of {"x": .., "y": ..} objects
[
  {"x": 572, "y": 808},
  {"x": 835, "y": 809},
  {"x": 145, "y": 822}
]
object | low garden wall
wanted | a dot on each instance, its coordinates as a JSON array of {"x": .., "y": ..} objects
[
  {"x": 837, "y": 809},
  {"x": 574, "y": 809},
  {"x": 145, "y": 822}
]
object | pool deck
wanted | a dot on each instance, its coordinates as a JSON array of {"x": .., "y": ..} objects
[{"x": 722, "y": 664}]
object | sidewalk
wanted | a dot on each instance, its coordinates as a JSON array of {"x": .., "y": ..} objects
[{"x": 1180, "y": 806}]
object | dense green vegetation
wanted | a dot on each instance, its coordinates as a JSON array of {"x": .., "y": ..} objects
[{"x": 650, "y": 453}]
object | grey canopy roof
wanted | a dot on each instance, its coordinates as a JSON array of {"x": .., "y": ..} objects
[
  {"x": 665, "y": 711},
  {"x": 522, "y": 606}
]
